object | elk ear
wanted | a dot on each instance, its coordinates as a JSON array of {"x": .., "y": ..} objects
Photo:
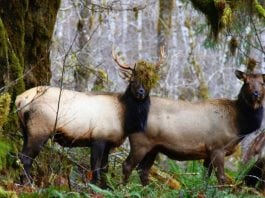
[{"x": 240, "y": 75}]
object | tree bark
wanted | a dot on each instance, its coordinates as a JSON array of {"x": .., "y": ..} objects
[{"x": 26, "y": 32}]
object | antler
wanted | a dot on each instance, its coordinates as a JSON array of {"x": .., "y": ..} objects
[
  {"x": 123, "y": 66},
  {"x": 162, "y": 57}
]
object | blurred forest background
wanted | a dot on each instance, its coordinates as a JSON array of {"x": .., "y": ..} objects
[{"x": 68, "y": 44}]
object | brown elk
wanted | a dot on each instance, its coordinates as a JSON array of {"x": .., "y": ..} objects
[
  {"x": 76, "y": 119},
  {"x": 208, "y": 130}
]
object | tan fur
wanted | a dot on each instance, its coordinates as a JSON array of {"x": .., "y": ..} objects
[
  {"x": 81, "y": 116},
  {"x": 208, "y": 130},
  {"x": 190, "y": 128}
]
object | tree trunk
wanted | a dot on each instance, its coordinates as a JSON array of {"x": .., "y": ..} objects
[
  {"x": 26, "y": 29},
  {"x": 164, "y": 22}
]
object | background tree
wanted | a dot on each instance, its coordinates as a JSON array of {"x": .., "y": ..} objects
[{"x": 26, "y": 29}]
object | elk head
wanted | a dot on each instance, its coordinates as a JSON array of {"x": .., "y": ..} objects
[
  {"x": 252, "y": 91},
  {"x": 141, "y": 77}
]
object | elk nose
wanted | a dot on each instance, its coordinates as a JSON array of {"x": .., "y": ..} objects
[
  {"x": 141, "y": 91},
  {"x": 256, "y": 94}
]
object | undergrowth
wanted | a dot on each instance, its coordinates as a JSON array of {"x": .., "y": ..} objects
[{"x": 190, "y": 175}]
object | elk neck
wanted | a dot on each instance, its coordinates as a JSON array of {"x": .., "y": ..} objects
[
  {"x": 135, "y": 112},
  {"x": 249, "y": 118}
]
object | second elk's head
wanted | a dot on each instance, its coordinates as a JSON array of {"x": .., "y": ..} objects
[
  {"x": 253, "y": 90},
  {"x": 142, "y": 76}
]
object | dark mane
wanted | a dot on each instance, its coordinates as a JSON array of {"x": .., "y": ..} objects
[
  {"x": 249, "y": 119},
  {"x": 135, "y": 112}
]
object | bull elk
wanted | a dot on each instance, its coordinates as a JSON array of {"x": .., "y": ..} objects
[
  {"x": 208, "y": 130},
  {"x": 76, "y": 119}
]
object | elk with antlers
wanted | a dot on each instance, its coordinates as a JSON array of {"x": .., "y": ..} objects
[{"x": 76, "y": 119}]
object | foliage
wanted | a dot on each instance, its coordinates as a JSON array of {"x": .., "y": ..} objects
[
  {"x": 164, "y": 22},
  {"x": 147, "y": 73},
  {"x": 101, "y": 80},
  {"x": 53, "y": 192},
  {"x": 4, "y": 111},
  {"x": 259, "y": 8},
  {"x": 27, "y": 28},
  {"x": 7, "y": 194},
  {"x": 4, "y": 150},
  {"x": 5, "y": 101},
  {"x": 11, "y": 67},
  {"x": 221, "y": 14},
  {"x": 190, "y": 175}
]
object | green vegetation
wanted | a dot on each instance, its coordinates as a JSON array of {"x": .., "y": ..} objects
[
  {"x": 147, "y": 73},
  {"x": 190, "y": 175},
  {"x": 11, "y": 68},
  {"x": 221, "y": 14}
]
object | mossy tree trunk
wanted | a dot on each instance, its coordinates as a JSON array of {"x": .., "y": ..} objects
[
  {"x": 26, "y": 29},
  {"x": 164, "y": 21}
]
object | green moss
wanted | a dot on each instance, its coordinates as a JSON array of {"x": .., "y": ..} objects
[
  {"x": 207, "y": 7},
  {"x": 220, "y": 13},
  {"x": 164, "y": 22},
  {"x": 11, "y": 67},
  {"x": 3, "y": 53},
  {"x": 147, "y": 73},
  {"x": 100, "y": 83},
  {"x": 91, "y": 22},
  {"x": 136, "y": 12},
  {"x": 203, "y": 91},
  {"x": 7, "y": 194},
  {"x": 39, "y": 22},
  {"x": 100, "y": 19},
  {"x": 14, "y": 25},
  {"x": 251, "y": 64},
  {"x": 233, "y": 45},
  {"x": 5, "y": 147},
  {"x": 226, "y": 18},
  {"x": 3, "y": 40},
  {"x": 26, "y": 28},
  {"x": 16, "y": 74},
  {"x": 4, "y": 108},
  {"x": 259, "y": 8}
]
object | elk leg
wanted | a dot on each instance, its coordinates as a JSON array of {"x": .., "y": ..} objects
[
  {"x": 145, "y": 166},
  {"x": 209, "y": 166},
  {"x": 217, "y": 158},
  {"x": 97, "y": 150},
  {"x": 104, "y": 165},
  {"x": 31, "y": 148},
  {"x": 132, "y": 160}
]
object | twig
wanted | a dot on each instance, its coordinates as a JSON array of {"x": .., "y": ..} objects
[
  {"x": 61, "y": 83},
  {"x": 258, "y": 38}
]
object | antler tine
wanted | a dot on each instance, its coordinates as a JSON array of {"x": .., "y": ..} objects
[
  {"x": 162, "y": 56},
  {"x": 123, "y": 66}
]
